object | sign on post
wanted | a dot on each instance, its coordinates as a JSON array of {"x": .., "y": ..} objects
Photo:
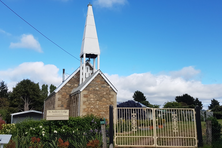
[
  {"x": 57, "y": 115},
  {"x": 4, "y": 139}
]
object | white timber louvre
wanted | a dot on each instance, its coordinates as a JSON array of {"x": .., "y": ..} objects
[{"x": 155, "y": 127}]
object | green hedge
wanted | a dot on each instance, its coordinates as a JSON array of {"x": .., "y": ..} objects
[{"x": 77, "y": 130}]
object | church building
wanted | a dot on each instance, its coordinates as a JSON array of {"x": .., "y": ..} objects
[{"x": 87, "y": 90}]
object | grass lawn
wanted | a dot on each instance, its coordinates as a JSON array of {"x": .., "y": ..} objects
[
  {"x": 165, "y": 135},
  {"x": 203, "y": 126},
  {"x": 220, "y": 121}
]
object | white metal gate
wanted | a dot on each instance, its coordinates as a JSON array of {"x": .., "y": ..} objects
[{"x": 154, "y": 127}]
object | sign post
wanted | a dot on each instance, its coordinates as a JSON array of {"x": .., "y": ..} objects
[
  {"x": 103, "y": 130},
  {"x": 57, "y": 115},
  {"x": 4, "y": 139}
]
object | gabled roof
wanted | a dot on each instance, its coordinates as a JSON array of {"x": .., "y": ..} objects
[
  {"x": 89, "y": 79},
  {"x": 67, "y": 80},
  {"x": 25, "y": 112},
  {"x": 64, "y": 82}
]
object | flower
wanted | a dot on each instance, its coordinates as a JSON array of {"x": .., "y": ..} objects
[
  {"x": 40, "y": 126},
  {"x": 96, "y": 130},
  {"x": 38, "y": 139},
  {"x": 26, "y": 132},
  {"x": 33, "y": 139},
  {"x": 63, "y": 130},
  {"x": 43, "y": 132},
  {"x": 55, "y": 131},
  {"x": 92, "y": 120},
  {"x": 73, "y": 131},
  {"x": 91, "y": 130},
  {"x": 33, "y": 128},
  {"x": 30, "y": 128}
]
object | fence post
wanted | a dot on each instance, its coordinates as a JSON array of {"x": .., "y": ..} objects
[
  {"x": 110, "y": 126},
  {"x": 198, "y": 125},
  {"x": 209, "y": 132},
  {"x": 103, "y": 130}
]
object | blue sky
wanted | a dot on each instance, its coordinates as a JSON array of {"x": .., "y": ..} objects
[{"x": 162, "y": 48}]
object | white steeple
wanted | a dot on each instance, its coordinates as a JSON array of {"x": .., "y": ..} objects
[{"x": 90, "y": 45}]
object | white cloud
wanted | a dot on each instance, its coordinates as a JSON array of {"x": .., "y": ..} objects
[
  {"x": 157, "y": 88},
  {"x": 162, "y": 88},
  {"x": 4, "y": 32},
  {"x": 35, "y": 71},
  {"x": 27, "y": 41},
  {"x": 109, "y": 3},
  {"x": 187, "y": 73}
]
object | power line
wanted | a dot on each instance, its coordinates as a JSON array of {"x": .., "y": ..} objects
[{"x": 39, "y": 31}]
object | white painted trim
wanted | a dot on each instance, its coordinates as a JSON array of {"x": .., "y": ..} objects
[
  {"x": 94, "y": 66},
  {"x": 84, "y": 67},
  {"x": 99, "y": 72},
  {"x": 29, "y": 111},
  {"x": 98, "y": 62},
  {"x": 62, "y": 84},
  {"x": 80, "y": 78}
]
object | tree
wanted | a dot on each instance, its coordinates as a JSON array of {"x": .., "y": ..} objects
[
  {"x": 26, "y": 95},
  {"x": 147, "y": 103},
  {"x": 4, "y": 105},
  {"x": 186, "y": 99},
  {"x": 198, "y": 103},
  {"x": 172, "y": 104},
  {"x": 154, "y": 106},
  {"x": 139, "y": 96},
  {"x": 52, "y": 88},
  {"x": 44, "y": 91},
  {"x": 3, "y": 90},
  {"x": 43, "y": 95},
  {"x": 214, "y": 103}
]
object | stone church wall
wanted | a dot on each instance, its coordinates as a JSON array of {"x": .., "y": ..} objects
[
  {"x": 49, "y": 104},
  {"x": 96, "y": 98},
  {"x": 62, "y": 97}
]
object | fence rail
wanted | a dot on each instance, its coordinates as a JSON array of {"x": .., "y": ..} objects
[{"x": 149, "y": 127}]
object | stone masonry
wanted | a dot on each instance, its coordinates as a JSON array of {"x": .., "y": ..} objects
[
  {"x": 62, "y": 97},
  {"x": 96, "y": 98},
  {"x": 60, "y": 100}
]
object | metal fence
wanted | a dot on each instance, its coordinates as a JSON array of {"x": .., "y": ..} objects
[{"x": 154, "y": 127}]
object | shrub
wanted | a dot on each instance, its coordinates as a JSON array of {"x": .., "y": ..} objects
[
  {"x": 11, "y": 144},
  {"x": 77, "y": 130},
  {"x": 216, "y": 128},
  {"x": 36, "y": 143},
  {"x": 1, "y": 123},
  {"x": 93, "y": 144},
  {"x": 62, "y": 144},
  {"x": 8, "y": 129}
]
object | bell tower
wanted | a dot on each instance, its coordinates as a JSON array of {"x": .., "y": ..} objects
[{"x": 90, "y": 46}]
